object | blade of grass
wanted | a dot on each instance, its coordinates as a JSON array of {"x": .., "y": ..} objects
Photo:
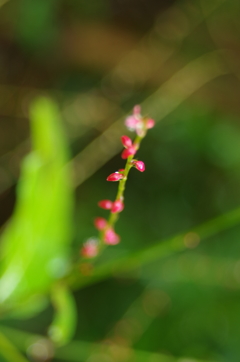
[
  {"x": 9, "y": 351},
  {"x": 197, "y": 269},
  {"x": 154, "y": 252},
  {"x": 161, "y": 103},
  {"x": 79, "y": 351},
  {"x": 2, "y": 2},
  {"x": 156, "y": 57}
]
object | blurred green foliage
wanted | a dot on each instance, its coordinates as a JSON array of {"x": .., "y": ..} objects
[
  {"x": 170, "y": 291},
  {"x": 35, "y": 243}
]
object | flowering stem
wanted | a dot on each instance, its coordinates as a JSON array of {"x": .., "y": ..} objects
[
  {"x": 122, "y": 183},
  {"x": 107, "y": 235},
  {"x": 113, "y": 217}
]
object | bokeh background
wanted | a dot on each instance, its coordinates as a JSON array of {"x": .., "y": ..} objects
[{"x": 169, "y": 298}]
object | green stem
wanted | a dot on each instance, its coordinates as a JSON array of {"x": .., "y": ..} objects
[
  {"x": 113, "y": 217},
  {"x": 82, "y": 350},
  {"x": 9, "y": 351},
  {"x": 156, "y": 251}
]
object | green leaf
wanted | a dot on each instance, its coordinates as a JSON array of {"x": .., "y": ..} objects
[{"x": 35, "y": 244}]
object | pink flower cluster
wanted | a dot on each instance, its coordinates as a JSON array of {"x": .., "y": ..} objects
[
  {"x": 116, "y": 206},
  {"x": 137, "y": 123},
  {"x": 130, "y": 149},
  {"x": 109, "y": 235},
  {"x": 140, "y": 125},
  {"x": 119, "y": 175},
  {"x": 90, "y": 248},
  {"x": 101, "y": 224}
]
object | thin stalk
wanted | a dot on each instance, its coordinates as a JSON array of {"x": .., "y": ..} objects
[
  {"x": 79, "y": 350},
  {"x": 157, "y": 251},
  {"x": 113, "y": 217},
  {"x": 9, "y": 351},
  {"x": 107, "y": 236}
]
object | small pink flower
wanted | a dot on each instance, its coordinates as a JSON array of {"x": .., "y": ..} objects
[
  {"x": 110, "y": 237},
  {"x": 116, "y": 176},
  {"x": 150, "y": 123},
  {"x": 140, "y": 165},
  {"x": 90, "y": 248},
  {"x": 128, "y": 152},
  {"x": 105, "y": 204},
  {"x": 126, "y": 141},
  {"x": 100, "y": 223},
  {"x": 136, "y": 110},
  {"x": 131, "y": 123},
  {"x": 118, "y": 206}
]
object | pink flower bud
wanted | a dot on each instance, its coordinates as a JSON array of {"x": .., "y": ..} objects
[
  {"x": 136, "y": 110},
  {"x": 90, "y": 248},
  {"x": 105, "y": 204},
  {"x": 100, "y": 223},
  {"x": 128, "y": 152},
  {"x": 131, "y": 123},
  {"x": 121, "y": 170},
  {"x": 115, "y": 176},
  {"x": 126, "y": 141},
  {"x": 150, "y": 123},
  {"x": 140, "y": 165},
  {"x": 118, "y": 206},
  {"x": 110, "y": 237}
]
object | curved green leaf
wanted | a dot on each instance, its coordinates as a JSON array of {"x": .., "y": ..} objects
[
  {"x": 35, "y": 243},
  {"x": 63, "y": 326}
]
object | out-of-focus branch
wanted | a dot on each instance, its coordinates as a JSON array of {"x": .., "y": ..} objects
[
  {"x": 225, "y": 22},
  {"x": 161, "y": 249},
  {"x": 81, "y": 350},
  {"x": 2, "y": 2},
  {"x": 160, "y": 104},
  {"x": 146, "y": 63}
]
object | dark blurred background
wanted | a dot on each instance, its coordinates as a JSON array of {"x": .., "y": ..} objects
[{"x": 181, "y": 61}]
